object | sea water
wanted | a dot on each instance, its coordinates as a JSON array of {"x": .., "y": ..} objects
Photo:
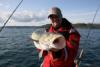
[{"x": 17, "y": 48}]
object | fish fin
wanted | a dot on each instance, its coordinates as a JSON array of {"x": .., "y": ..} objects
[
  {"x": 40, "y": 54},
  {"x": 37, "y": 45}
]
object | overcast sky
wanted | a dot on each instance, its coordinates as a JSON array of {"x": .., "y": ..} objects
[{"x": 35, "y": 12}]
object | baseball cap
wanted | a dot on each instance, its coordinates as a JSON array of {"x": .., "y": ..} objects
[{"x": 55, "y": 11}]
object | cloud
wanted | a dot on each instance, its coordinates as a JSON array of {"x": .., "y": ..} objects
[
  {"x": 1, "y": 20},
  {"x": 29, "y": 16},
  {"x": 3, "y": 16},
  {"x": 24, "y": 17}
]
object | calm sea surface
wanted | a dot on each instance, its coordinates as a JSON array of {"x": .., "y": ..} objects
[{"x": 17, "y": 49}]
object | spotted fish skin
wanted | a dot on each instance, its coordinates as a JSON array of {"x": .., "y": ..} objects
[{"x": 45, "y": 41}]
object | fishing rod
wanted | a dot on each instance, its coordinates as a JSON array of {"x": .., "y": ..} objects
[
  {"x": 11, "y": 15},
  {"x": 78, "y": 60},
  {"x": 89, "y": 28}
]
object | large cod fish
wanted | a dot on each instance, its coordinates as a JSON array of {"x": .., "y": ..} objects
[{"x": 47, "y": 41}]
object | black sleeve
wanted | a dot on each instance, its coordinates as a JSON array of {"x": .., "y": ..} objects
[
  {"x": 65, "y": 34},
  {"x": 66, "y": 24}
]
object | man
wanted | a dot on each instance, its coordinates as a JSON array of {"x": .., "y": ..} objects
[{"x": 56, "y": 58}]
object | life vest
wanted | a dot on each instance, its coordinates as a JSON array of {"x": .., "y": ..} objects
[{"x": 68, "y": 33}]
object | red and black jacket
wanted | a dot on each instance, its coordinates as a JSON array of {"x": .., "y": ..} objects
[{"x": 72, "y": 44}]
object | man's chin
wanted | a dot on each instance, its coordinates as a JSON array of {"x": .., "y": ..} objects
[{"x": 55, "y": 26}]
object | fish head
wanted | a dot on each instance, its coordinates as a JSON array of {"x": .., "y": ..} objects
[
  {"x": 53, "y": 41},
  {"x": 48, "y": 41}
]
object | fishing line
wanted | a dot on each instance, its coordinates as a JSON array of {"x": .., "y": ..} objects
[
  {"x": 89, "y": 28},
  {"x": 11, "y": 15}
]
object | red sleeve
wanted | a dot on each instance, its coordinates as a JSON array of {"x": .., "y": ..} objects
[
  {"x": 73, "y": 44},
  {"x": 74, "y": 39}
]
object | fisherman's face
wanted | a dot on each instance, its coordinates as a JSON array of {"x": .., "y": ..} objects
[{"x": 55, "y": 21}]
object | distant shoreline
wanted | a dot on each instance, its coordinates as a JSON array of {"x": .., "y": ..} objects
[
  {"x": 81, "y": 25},
  {"x": 78, "y": 25}
]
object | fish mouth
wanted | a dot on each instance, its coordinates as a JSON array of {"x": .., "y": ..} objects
[{"x": 59, "y": 43}]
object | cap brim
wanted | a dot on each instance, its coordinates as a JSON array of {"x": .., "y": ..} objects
[{"x": 51, "y": 15}]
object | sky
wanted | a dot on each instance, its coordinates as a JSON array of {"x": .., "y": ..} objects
[{"x": 35, "y": 12}]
